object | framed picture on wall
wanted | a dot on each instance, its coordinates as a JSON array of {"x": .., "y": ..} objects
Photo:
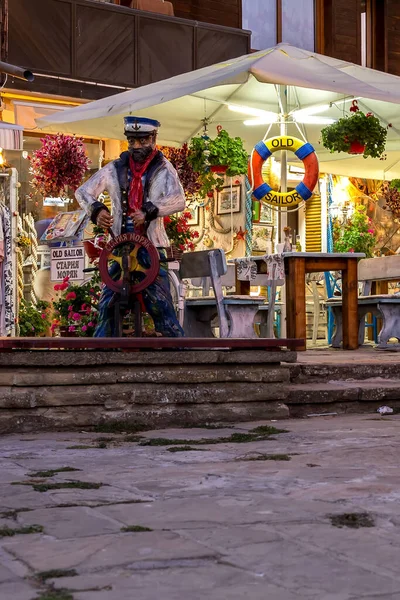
[
  {"x": 266, "y": 213},
  {"x": 228, "y": 200},
  {"x": 194, "y": 219},
  {"x": 262, "y": 236}
]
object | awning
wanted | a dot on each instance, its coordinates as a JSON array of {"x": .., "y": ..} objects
[
  {"x": 318, "y": 84},
  {"x": 11, "y": 136}
]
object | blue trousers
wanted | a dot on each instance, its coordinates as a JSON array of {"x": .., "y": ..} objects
[{"x": 156, "y": 298}]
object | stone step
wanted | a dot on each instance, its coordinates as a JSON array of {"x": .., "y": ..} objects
[
  {"x": 351, "y": 396},
  {"x": 313, "y": 373}
]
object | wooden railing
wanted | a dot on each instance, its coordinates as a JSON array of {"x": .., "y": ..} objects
[{"x": 92, "y": 49}]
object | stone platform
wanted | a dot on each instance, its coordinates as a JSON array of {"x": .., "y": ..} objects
[{"x": 56, "y": 389}]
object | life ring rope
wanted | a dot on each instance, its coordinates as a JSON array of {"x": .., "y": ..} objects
[{"x": 263, "y": 191}]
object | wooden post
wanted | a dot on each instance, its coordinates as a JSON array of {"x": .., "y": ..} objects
[
  {"x": 350, "y": 305},
  {"x": 296, "y": 299}
]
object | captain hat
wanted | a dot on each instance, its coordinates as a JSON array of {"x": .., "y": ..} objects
[{"x": 140, "y": 126}]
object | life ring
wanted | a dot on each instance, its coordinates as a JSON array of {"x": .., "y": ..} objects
[{"x": 303, "y": 191}]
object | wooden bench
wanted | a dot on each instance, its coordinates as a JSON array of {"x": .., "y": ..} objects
[
  {"x": 236, "y": 314},
  {"x": 385, "y": 306}
]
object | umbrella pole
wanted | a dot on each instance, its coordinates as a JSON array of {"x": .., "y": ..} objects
[{"x": 283, "y": 90}]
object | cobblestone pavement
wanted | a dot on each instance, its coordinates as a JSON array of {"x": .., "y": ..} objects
[{"x": 322, "y": 522}]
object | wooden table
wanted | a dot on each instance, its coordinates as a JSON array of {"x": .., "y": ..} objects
[{"x": 297, "y": 264}]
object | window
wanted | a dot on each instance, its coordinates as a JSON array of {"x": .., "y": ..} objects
[
  {"x": 298, "y": 23},
  {"x": 273, "y": 21},
  {"x": 260, "y": 16}
]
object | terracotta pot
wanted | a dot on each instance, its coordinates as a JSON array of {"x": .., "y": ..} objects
[
  {"x": 356, "y": 148},
  {"x": 219, "y": 168},
  {"x": 91, "y": 250}
]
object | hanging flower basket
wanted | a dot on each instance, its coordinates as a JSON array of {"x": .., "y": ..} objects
[
  {"x": 357, "y": 147},
  {"x": 358, "y": 133},
  {"x": 60, "y": 163}
]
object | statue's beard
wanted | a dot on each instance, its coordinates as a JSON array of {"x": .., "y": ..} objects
[{"x": 139, "y": 155}]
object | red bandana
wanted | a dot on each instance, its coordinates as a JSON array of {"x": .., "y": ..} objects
[{"x": 136, "y": 187}]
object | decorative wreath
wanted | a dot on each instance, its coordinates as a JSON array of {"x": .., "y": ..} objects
[{"x": 61, "y": 162}]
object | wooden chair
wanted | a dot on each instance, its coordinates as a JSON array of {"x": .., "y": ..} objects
[{"x": 236, "y": 314}]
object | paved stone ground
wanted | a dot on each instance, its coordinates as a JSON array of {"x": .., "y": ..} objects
[{"x": 221, "y": 527}]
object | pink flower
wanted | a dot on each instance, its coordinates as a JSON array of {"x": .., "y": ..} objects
[
  {"x": 70, "y": 296},
  {"x": 351, "y": 249},
  {"x": 90, "y": 324},
  {"x": 71, "y": 328},
  {"x": 83, "y": 307},
  {"x": 70, "y": 307},
  {"x": 43, "y": 315},
  {"x": 63, "y": 286},
  {"x": 371, "y": 231},
  {"x": 57, "y": 287},
  {"x": 76, "y": 317},
  {"x": 66, "y": 279},
  {"x": 84, "y": 328}
]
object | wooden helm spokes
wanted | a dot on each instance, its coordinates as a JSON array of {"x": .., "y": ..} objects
[{"x": 124, "y": 249}]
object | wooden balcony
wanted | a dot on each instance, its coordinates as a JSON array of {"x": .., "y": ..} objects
[{"x": 91, "y": 49}]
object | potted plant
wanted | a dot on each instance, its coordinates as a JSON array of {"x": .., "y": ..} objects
[
  {"x": 76, "y": 311},
  {"x": 359, "y": 133},
  {"x": 33, "y": 319},
  {"x": 179, "y": 234},
  {"x": 356, "y": 234},
  {"x": 220, "y": 155}
]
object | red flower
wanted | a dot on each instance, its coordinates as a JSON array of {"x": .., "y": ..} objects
[
  {"x": 70, "y": 296},
  {"x": 167, "y": 220}
]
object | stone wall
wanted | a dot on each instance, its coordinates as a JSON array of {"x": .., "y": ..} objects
[{"x": 42, "y": 390}]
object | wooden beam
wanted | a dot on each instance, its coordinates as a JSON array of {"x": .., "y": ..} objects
[
  {"x": 278, "y": 21},
  {"x": 319, "y": 27}
]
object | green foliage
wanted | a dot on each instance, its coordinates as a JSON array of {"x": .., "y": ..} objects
[
  {"x": 224, "y": 151},
  {"x": 359, "y": 127},
  {"x": 8, "y": 532},
  {"x": 33, "y": 320},
  {"x": 135, "y": 529},
  {"x": 395, "y": 184},
  {"x": 52, "y": 472},
  {"x": 356, "y": 234},
  {"x": 56, "y": 573}
]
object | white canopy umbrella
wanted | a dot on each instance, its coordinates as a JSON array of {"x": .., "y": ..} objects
[{"x": 319, "y": 88}]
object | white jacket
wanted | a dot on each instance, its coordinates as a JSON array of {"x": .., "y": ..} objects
[{"x": 165, "y": 191}]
